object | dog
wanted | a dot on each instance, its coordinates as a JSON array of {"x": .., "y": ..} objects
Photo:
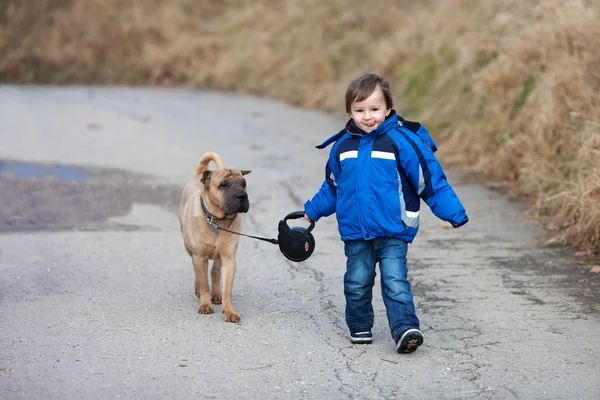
[{"x": 213, "y": 198}]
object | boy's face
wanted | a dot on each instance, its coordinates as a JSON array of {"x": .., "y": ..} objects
[{"x": 371, "y": 112}]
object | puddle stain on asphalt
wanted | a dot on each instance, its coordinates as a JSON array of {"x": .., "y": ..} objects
[
  {"x": 22, "y": 169},
  {"x": 47, "y": 197}
]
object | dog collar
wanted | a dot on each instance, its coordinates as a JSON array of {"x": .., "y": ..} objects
[{"x": 210, "y": 218}]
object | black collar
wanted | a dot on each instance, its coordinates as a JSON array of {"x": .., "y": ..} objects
[
  {"x": 211, "y": 219},
  {"x": 209, "y": 216}
]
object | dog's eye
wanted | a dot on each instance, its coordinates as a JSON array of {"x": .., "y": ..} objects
[{"x": 223, "y": 184}]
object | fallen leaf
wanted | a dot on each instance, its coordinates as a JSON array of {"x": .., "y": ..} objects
[
  {"x": 165, "y": 81},
  {"x": 94, "y": 126},
  {"x": 595, "y": 268}
]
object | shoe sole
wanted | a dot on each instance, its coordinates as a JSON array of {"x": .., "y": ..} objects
[
  {"x": 410, "y": 341},
  {"x": 361, "y": 340}
]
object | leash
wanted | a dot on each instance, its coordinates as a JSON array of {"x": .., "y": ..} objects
[{"x": 212, "y": 221}]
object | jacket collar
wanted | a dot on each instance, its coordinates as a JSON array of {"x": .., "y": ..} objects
[
  {"x": 390, "y": 121},
  {"x": 351, "y": 128}
]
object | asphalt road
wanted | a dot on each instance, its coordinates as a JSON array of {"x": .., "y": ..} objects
[{"x": 96, "y": 290}]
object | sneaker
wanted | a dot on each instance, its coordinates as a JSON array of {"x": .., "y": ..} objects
[
  {"x": 409, "y": 341},
  {"x": 361, "y": 336}
]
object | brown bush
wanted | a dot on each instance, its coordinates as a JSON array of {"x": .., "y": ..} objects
[{"x": 509, "y": 89}]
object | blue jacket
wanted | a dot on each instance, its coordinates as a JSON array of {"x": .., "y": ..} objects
[{"x": 374, "y": 182}]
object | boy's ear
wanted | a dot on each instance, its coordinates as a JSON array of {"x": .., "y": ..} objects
[{"x": 389, "y": 110}]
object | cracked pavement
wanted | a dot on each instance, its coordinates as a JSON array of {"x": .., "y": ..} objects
[{"x": 96, "y": 289}]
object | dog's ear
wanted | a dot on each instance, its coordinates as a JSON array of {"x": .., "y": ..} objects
[
  {"x": 245, "y": 171},
  {"x": 205, "y": 176}
]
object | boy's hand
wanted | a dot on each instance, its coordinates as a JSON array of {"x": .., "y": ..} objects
[{"x": 306, "y": 218}]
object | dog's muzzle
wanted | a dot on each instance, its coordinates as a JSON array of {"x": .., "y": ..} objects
[{"x": 236, "y": 202}]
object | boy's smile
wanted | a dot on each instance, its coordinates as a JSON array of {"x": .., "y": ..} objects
[{"x": 371, "y": 112}]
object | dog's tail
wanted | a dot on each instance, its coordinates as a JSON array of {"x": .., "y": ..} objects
[{"x": 205, "y": 160}]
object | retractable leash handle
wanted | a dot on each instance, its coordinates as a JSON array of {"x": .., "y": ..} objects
[
  {"x": 298, "y": 215},
  {"x": 297, "y": 243}
]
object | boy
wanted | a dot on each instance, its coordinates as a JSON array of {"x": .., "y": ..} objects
[{"x": 379, "y": 169}]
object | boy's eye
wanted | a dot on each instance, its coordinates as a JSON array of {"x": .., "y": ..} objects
[{"x": 375, "y": 109}]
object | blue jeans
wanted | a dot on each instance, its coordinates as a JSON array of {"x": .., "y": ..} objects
[{"x": 395, "y": 288}]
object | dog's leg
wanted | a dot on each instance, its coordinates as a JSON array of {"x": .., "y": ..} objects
[
  {"x": 215, "y": 282},
  {"x": 201, "y": 284},
  {"x": 228, "y": 271}
]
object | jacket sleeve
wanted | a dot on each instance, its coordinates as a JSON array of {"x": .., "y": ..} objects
[
  {"x": 427, "y": 177},
  {"x": 324, "y": 201}
]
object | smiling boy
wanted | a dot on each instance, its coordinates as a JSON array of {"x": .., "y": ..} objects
[{"x": 379, "y": 169}]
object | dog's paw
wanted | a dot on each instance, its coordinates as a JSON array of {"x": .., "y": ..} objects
[
  {"x": 232, "y": 317},
  {"x": 216, "y": 299},
  {"x": 205, "y": 309}
]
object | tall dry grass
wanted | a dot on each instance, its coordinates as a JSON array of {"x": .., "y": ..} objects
[{"x": 509, "y": 88}]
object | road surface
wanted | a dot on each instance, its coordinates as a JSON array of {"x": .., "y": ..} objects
[{"x": 96, "y": 290}]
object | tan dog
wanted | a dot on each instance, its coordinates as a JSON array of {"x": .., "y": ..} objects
[{"x": 219, "y": 195}]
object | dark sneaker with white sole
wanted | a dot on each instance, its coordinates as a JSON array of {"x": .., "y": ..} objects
[
  {"x": 409, "y": 341},
  {"x": 361, "y": 336}
]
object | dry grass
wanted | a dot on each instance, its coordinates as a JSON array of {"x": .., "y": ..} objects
[{"x": 509, "y": 88}]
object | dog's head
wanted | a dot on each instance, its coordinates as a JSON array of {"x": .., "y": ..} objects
[{"x": 226, "y": 188}]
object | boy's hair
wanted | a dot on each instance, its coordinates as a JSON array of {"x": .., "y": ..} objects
[{"x": 363, "y": 86}]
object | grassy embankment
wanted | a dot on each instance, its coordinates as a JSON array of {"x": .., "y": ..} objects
[{"x": 509, "y": 89}]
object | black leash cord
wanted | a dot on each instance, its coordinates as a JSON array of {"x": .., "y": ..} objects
[
  {"x": 210, "y": 219},
  {"x": 217, "y": 227}
]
